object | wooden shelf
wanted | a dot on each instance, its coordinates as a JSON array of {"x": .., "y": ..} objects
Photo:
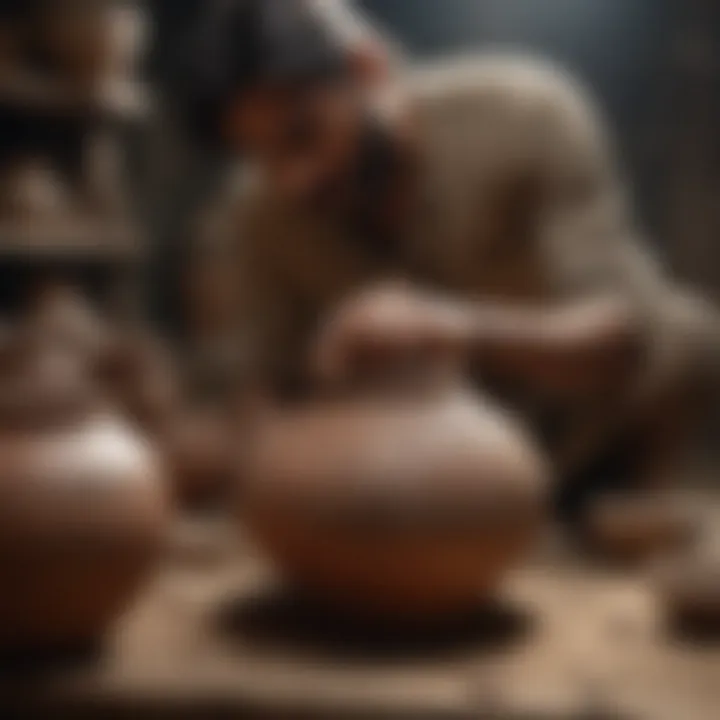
[
  {"x": 134, "y": 105},
  {"x": 82, "y": 241}
]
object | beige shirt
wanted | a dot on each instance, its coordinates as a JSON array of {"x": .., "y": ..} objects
[{"x": 522, "y": 201}]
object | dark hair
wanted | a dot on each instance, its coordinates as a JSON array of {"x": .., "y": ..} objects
[
  {"x": 236, "y": 44},
  {"x": 14, "y": 9}
]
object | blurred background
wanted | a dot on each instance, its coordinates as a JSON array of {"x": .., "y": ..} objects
[{"x": 654, "y": 66}]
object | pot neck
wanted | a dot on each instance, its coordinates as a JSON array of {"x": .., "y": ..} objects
[{"x": 42, "y": 386}]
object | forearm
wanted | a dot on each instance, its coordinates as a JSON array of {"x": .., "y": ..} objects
[
  {"x": 577, "y": 349},
  {"x": 569, "y": 350}
]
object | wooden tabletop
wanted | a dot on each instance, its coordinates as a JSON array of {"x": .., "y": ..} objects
[{"x": 214, "y": 636}]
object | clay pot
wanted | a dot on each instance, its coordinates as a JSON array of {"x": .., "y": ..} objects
[
  {"x": 138, "y": 376},
  {"x": 632, "y": 529},
  {"x": 82, "y": 503},
  {"x": 688, "y": 586},
  {"x": 407, "y": 503}
]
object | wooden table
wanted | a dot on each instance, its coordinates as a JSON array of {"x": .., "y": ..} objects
[{"x": 213, "y": 637}]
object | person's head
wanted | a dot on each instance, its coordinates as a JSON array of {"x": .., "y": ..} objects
[{"x": 280, "y": 83}]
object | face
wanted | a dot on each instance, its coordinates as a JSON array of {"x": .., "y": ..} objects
[{"x": 307, "y": 141}]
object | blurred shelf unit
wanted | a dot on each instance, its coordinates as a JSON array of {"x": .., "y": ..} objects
[{"x": 67, "y": 90}]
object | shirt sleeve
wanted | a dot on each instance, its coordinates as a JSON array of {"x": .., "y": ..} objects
[
  {"x": 590, "y": 241},
  {"x": 591, "y": 245}
]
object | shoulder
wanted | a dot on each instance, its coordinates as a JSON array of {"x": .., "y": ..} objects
[
  {"x": 519, "y": 77},
  {"x": 520, "y": 85}
]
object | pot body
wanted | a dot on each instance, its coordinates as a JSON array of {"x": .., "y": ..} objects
[
  {"x": 400, "y": 507},
  {"x": 82, "y": 517}
]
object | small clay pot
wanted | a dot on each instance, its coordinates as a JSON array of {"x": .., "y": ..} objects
[
  {"x": 688, "y": 585},
  {"x": 635, "y": 528},
  {"x": 407, "y": 504},
  {"x": 83, "y": 510}
]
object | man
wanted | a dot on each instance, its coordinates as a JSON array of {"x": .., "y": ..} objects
[{"x": 487, "y": 187}]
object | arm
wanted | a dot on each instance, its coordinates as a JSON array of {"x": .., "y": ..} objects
[
  {"x": 587, "y": 233},
  {"x": 600, "y": 325},
  {"x": 576, "y": 349},
  {"x": 565, "y": 350},
  {"x": 591, "y": 245}
]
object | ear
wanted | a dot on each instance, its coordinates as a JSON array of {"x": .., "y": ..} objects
[{"x": 370, "y": 61}]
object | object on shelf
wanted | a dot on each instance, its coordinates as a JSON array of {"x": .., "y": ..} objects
[{"x": 67, "y": 78}]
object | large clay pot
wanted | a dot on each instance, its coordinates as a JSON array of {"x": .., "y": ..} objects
[
  {"x": 82, "y": 502},
  {"x": 409, "y": 503}
]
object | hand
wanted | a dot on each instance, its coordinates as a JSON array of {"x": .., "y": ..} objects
[
  {"x": 388, "y": 324},
  {"x": 123, "y": 98}
]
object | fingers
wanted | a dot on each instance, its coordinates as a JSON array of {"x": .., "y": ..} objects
[
  {"x": 388, "y": 326},
  {"x": 352, "y": 347}
]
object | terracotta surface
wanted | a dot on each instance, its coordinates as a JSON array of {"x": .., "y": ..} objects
[{"x": 402, "y": 506}]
